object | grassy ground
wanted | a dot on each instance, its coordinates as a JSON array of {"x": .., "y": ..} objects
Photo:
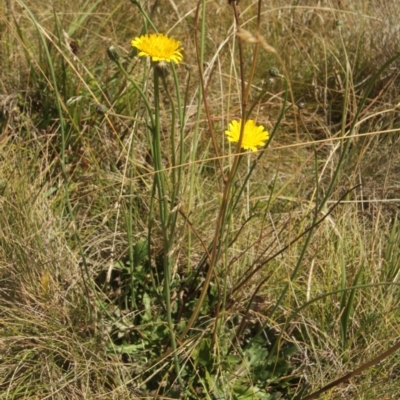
[{"x": 127, "y": 268}]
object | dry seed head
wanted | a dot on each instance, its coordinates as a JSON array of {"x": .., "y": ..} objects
[
  {"x": 301, "y": 105},
  {"x": 246, "y": 36},
  {"x": 265, "y": 45}
]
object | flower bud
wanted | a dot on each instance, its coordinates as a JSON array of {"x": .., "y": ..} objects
[
  {"x": 274, "y": 72},
  {"x": 113, "y": 54},
  {"x": 101, "y": 109}
]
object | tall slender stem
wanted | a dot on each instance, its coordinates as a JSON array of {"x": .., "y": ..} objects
[
  {"x": 164, "y": 214},
  {"x": 214, "y": 254}
]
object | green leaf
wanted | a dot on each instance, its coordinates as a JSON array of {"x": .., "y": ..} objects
[
  {"x": 232, "y": 359},
  {"x": 147, "y": 316},
  {"x": 140, "y": 252},
  {"x": 202, "y": 354},
  {"x": 243, "y": 392}
]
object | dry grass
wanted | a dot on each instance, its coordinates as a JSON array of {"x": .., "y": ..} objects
[{"x": 61, "y": 336}]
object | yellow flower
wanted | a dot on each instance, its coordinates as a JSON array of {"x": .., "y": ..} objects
[
  {"x": 159, "y": 47},
  {"x": 253, "y": 135}
]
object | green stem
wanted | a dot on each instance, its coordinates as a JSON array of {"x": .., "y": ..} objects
[
  {"x": 163, "y": 204},
  {"x": 130, "y": 221},
  {"x": 140, "y": 91}
]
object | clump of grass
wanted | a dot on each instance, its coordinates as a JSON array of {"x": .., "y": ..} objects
[{"x": 49, "y": 345}]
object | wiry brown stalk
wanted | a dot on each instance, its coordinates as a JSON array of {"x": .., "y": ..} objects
[
  {"x": 260, "y": 264},
  {"x": 225, "y": 198},
  {"x": 242, "y": 324},
  {"x": 357, "y": 371}
]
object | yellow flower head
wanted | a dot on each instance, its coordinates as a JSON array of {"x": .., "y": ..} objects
[
  {"x": 253, "y": 135},
  {"x": 159, "y": 47}
]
